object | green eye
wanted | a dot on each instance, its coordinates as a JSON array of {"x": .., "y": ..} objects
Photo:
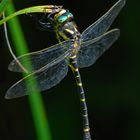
[
  {"x": 64, "y": 17},
  {"x": 61, "y": 19}
]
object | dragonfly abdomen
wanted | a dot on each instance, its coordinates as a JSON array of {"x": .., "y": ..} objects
[{"x": 74, "y": 67}]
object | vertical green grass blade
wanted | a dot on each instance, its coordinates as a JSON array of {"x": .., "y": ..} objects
[{"x": 35, "y": 99}]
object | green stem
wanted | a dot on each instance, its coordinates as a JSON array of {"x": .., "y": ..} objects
[{"x": 36, "y": 104}]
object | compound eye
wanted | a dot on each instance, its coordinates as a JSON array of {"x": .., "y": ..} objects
[
  {"x": 62, "y": 18},
  {"x": 65, "y": 17}
]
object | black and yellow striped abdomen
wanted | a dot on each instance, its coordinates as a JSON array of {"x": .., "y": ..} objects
[{"x": 74, "y": 67}]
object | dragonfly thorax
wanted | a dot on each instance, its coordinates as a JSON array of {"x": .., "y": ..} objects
[{"x": 69, "y": 31}]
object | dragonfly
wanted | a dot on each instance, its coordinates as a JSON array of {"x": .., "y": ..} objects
[{"x": 77, "y": 50}]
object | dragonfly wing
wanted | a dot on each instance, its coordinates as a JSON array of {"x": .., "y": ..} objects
[
  {"x": 102, "y": 24},
  {"x": 45, "y": 79},
  {"x": 91, "y": 50},
  {"x": 40, "y": 58}
]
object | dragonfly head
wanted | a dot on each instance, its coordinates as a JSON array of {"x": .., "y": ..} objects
[
  {"x": 62, "y": 17},
  {"x": 61, "y": 22},
  {"x": 56, "y": 19}
]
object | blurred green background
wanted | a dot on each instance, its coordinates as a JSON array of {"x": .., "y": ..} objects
[{"x": 112, "y": 85}]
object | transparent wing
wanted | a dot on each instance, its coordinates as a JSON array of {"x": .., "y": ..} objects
[
  {"x": 103, "y": 23},
  {"x": 45, "y": 78},
  {"x": 40, "y": 58},
  {"x": 91, "y": 50}
]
